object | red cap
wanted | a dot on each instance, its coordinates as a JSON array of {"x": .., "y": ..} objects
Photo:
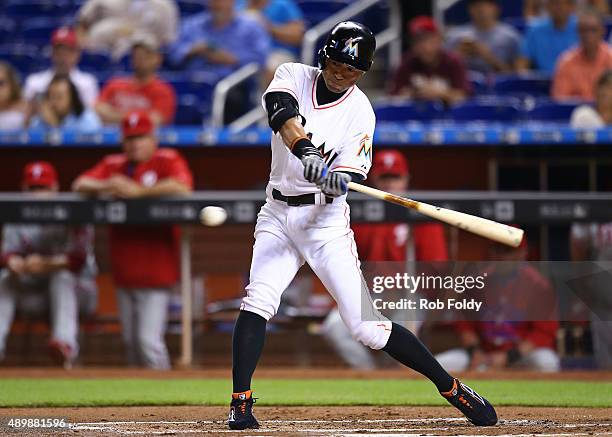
[
  {"x": 65, "y": 36},
  {"x": 39, "y": 174},
  {"x": 389, "y": 162},
  {"x": 136, "y": 123},
  {"x": 422, "y": 25}
]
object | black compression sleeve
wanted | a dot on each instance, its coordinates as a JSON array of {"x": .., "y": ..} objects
[
  {"x": 281, "y": 107},
  {"x": 355, "y": 177}
]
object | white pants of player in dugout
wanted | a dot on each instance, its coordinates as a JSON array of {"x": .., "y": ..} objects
[
  {"x": 55, "y": 294},
  {"x": 286, "y": 237}
]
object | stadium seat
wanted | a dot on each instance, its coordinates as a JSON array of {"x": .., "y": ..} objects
[
  {"x": 407, "y": 111},
  {"x": 25, "y": 58},
  {"x": 487, "y": 109},
  {"x": 479, "y": 83},
  {"x": 188, "y": 111},
  {"x": 316, "y": 11},
  {"x": 22, "y": 9},
  {"x": 94, "y": 62},
  {"x": 522, "y": 85},
  {"x": 8, "y": 29},
  {"x": 190, "y": 7},
  {"x": 552, "y": 111},
  {"x": 39, "y": 30}
]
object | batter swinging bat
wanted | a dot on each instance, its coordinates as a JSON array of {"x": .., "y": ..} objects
[{"x": 477, "y": 225}]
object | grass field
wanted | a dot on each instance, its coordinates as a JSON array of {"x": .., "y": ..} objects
[{"x": 27, "y": 392}]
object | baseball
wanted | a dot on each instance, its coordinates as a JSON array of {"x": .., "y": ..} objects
[{"x": 212, "y": 216}]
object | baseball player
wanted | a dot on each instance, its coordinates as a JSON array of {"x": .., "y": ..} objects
[
  {"x": 144, "y": 259},
  {"x": 323, "y": 127},
  {"x": 50, "y": 268}
]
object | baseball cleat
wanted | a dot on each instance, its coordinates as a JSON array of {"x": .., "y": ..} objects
[
  {"x": 476, "y": 408},
  {"x": 241, "y": 411}
]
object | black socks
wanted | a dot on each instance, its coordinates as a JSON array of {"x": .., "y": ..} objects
[
  {"x": 406, "y": 348},
  {"x": 247, "y": 344}
]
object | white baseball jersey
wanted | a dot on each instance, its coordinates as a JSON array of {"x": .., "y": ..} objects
[{"x": 341, "y": 130}]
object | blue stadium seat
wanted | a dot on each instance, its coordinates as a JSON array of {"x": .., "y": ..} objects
[
  {"x": 21, "y": 9},
  {"x": 8, "y": 29},
  {"x": 94, "y": 62},
  {"x": 25, "y": 58},
  {"x": 479, "y": 83},
  {"x": 190, "y": 7},
  {"x": 39, "y": 30},
  {"x": 522, "y": 85},
  {"x": 549, "y": 110},
  {"x": 407, "y": 110},
  {"x": 487, "y": 109},
  {"x": 188, "y": 111},
  {"x": 316, "y": 11}
]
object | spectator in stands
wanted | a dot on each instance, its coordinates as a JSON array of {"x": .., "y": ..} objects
[
  {"x": 62, "y": 107},
  {"x": 45, "y": 266},
  {"x": 546, "y": 38},
  {"x": 386, "y": 242},
  {"x": 12, "y": 107},
  {"x": 65, "y": 56},
  {"x": 144, "y": 259},
  {"x": 599, "y": 115},
  {"x": 487, "y": 45},
  {"x": 110, "y": 25},
  {"x": 142, "y": 91},
  {"x": 220, "y": 40},
  {"x": 427, "y": 71},
  {"x": 514, "y": 289},
  {"x": 284, "y": 22},
  {"x": 579, "y": 68}
]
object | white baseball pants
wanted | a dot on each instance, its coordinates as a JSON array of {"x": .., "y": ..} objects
[{"x": 286, "y": 237}]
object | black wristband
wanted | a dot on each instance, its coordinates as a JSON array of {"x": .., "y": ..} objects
[
  {"x": 304, "y": 147},
  {"x": 470, "y": 350}
]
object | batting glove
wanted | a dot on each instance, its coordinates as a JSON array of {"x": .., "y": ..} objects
[
  {"x": 335, "y": 184},
  {"x": 315, "y": 169}
]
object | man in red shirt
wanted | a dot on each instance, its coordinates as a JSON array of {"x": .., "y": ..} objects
[
  {"x": 143, "y": 91},
  {"x": 495, "y": 345},
  {"x": 144, "y": 259},
  {"x": 392, "y": 242},
  {"x": 428, "y": 72}
]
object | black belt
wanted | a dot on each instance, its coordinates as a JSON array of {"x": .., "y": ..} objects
[{"x": 302, "y": 199}]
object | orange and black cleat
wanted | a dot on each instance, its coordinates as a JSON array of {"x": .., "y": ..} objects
[
  {"x": 241, "y": 411},
  {"x": 476, "y": 408}
]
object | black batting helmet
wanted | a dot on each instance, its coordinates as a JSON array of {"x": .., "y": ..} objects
[{"x": 350, "y": 43}]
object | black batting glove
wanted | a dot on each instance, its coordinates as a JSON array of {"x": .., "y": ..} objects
[
  {"x": 335, "y": 184},
  {"x": 315, "y": 169}
]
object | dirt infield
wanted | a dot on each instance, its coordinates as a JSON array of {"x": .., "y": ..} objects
[{"x": 316, "y": 421}]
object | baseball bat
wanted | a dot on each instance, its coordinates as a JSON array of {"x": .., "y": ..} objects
[{"x": 477, "y": 225}]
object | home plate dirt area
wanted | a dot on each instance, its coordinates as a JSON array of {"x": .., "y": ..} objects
[{"x": 316, "y": 421}]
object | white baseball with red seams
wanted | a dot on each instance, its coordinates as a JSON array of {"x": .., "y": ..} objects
[{"x": 287, "y": 236}]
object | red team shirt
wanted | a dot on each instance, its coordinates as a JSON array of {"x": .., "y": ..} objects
[
  {"x": 125, "y": 94},
  {"x": 145, "y": 256},
  {"x": 388, "y": 241}
]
